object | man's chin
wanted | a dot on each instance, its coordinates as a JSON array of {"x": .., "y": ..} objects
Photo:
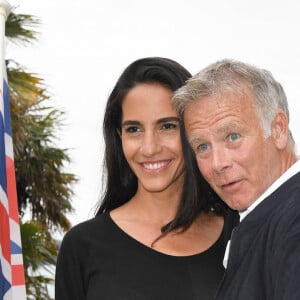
[{"x": 237, "y": 204}]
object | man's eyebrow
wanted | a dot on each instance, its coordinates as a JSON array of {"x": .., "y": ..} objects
[
  {"x": 223, "y": 129},
  {"x": 228, "y": 128},
  {"x": 196, "y": 140}
]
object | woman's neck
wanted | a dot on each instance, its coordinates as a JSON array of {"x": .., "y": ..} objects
[{"x": 161, "y": 206}]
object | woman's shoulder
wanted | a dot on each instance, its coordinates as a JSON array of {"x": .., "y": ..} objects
[{"x": 96, "y": 226}]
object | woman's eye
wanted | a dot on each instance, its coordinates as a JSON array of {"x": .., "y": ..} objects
[
  {"x": 169, "y": 126},
  {"x": 132, "y": 129},
  {"x": 233, "y": 137}
]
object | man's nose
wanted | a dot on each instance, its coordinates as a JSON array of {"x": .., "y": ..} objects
[{"x": 220, "y": 159}]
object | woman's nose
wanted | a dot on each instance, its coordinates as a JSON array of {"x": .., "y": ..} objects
[{"x": 150, "y": 144}]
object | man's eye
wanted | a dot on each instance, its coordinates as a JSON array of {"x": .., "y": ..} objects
[
  {"x": 202, "y": 148},
  {"x": 233, "y": 137}
]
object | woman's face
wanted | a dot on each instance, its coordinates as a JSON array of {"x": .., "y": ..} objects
[{"x": 150, "y": 136}]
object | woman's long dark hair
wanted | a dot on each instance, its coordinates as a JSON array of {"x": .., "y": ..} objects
[{"x": 121, "y": 182}]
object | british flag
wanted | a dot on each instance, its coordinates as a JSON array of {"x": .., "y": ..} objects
[{"x": 12, "y": 283}]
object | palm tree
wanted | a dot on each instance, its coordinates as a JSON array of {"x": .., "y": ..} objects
[
  {"x": 39, "y": 249},
  {"x": 41, "y": 183},
  {"x": 43, "y": 187}
]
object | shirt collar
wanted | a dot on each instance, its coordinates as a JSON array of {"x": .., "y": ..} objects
[{"x": 294, "y": 169}]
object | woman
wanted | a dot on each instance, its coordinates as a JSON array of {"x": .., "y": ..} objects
[{"x": 159, "y": 232}]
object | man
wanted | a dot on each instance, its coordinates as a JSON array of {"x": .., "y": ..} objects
[{"x": 236, "y": 120}]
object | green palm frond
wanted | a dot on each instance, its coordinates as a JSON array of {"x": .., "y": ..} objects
[
  {"x": 20, "y": 28},
  {"x": 40, "y": 251},
  {"x": 24, "y": 87}
]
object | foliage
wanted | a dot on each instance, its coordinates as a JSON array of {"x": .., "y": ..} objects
[
  {"x": 19, "y": 28},
  {"x": 39, "y": 249},
  {"x": 43, "y": 187},
  {"x": 41, "y": 183}
]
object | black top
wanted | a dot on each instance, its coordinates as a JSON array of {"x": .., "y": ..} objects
[
  {"x": 97, "y": 260},
  {"x": 264, "y": 259}
]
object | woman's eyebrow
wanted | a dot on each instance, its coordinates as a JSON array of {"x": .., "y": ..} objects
[
  {"x": 130, "y": 122},
  {"x": 167, "y": 119},
  {"x": 159, "y": 121}
]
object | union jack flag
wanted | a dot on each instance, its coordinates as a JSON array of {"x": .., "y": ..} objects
[{"x": 12, "y": 283}]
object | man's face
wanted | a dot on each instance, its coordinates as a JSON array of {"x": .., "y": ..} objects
[{"x": 232, "y": 153}]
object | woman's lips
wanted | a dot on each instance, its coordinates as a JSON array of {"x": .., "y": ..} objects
[{"x": 155, "y": 166}]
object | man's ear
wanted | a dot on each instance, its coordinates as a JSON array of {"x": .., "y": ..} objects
[{"x": 280, "y": 129}]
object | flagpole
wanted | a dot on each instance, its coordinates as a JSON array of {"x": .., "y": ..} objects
[
  {"x": 12, "y": 281},
  {"x": 4, "y": 12}
]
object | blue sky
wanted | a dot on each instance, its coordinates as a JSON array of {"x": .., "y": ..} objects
[{"x": 85, "y": 45}]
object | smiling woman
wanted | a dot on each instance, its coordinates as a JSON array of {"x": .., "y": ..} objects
[
  {"x": 151, "y": 139},
  {"x": 159, "y": 232}
]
